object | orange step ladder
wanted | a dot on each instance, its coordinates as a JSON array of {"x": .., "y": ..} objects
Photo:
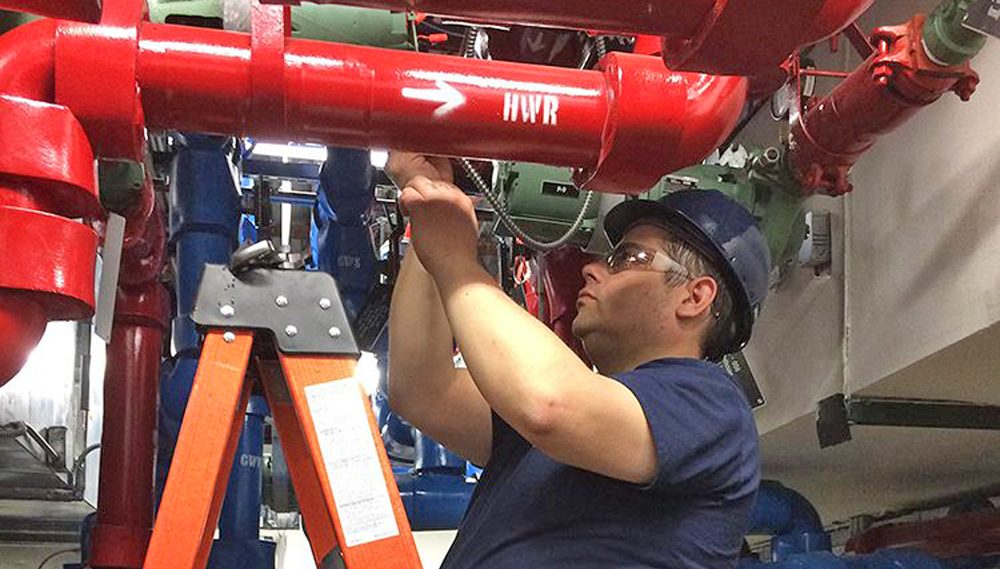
[{"x": 353, "y": 514}]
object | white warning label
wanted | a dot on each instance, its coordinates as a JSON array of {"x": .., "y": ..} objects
[{"x": 351, "y": 460}]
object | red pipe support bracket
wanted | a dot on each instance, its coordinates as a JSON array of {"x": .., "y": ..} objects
[
  {"x": 630, "y": 116},
  {"x": 267, "y": 60},
  {"x": 80, "y": 10},
  {"x": 725, "y": 37},
  {"x": 881, "y": 94}
]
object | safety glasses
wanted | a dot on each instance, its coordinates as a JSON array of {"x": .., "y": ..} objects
[{"x": 628, "y": 255}]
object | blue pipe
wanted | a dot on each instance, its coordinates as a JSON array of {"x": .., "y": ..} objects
[
  {"x": 436, "y": 492},
  {"x": 341, "y": 244},
  {"x": 787, "y": 515},
  {"x": 204, "y": 213},
  {"x": 883, "y": 559},
  {"x": 204, "y": 220},
  {"x": 238, "y": 545}
]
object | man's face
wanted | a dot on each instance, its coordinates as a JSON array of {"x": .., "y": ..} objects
[{"x": 633, "y": 301}]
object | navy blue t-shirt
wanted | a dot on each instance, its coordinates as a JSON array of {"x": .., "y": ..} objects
[{"x": 530, "y": 511}]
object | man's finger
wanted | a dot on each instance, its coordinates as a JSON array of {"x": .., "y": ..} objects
[{"x": 407, "y": 198}]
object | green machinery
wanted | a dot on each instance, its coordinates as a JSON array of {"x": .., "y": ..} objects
[
  {"x": 344, "y": 24},
  {"x": 543, "y": 200}
]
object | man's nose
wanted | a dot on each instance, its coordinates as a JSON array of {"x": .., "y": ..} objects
[{"x": 594, "y": 271}]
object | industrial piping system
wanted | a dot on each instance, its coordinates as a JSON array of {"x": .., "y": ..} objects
[
  {"x": 268, "y": 85},
  {"x": 366, "y": 105},
  {"x": 709, "y": 36}
]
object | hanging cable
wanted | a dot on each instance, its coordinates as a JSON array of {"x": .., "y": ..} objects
[
  {"x": 496, "y": 200},
  {"x": 499, "y": 207}
]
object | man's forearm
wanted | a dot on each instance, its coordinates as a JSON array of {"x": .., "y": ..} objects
[
  {"x": 519, "y": 365},
  {"x": 420, "y": 338}
]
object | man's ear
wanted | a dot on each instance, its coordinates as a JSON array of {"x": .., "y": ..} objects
[{"x": 701, "y": 293}]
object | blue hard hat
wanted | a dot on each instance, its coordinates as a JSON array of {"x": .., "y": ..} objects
[{"x": 721, "y": 230}]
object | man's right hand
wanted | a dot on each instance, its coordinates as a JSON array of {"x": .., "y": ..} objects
[{"x": 402, "y": 167}]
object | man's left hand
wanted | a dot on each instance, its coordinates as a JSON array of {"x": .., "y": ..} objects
[{"x": 443, "y": 221}]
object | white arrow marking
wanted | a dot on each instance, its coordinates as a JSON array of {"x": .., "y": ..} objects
[{"x": 449, "y": 97}]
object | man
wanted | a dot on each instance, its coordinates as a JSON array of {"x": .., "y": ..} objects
[{"x": 650, "y": 462}]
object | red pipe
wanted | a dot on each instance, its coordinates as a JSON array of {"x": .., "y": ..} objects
[
  {"x": 562, "y": 278},
  {"x": 27, "y": 61},
  {"x": 972, "y": 534},
  {"x": 882, "y": 93},
  {"x": 656, "y": 17},
  {"x": 131, "y": 380},
  {"x": 80, "y": 10},
  {"x": 725, "y": 37},
  {"x": 46, "y": 177},
  {"x": 623, "y": 126},
  {"x": 131, "y": 383}
]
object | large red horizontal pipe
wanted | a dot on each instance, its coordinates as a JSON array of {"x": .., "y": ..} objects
[
  {"x": 657, "y": 17},
  {"x": 729, "y": 37},
  {"x": 196, "y": 79},
  {"x": 80, "y": 10},
  {"x": 212, "y": 81}
]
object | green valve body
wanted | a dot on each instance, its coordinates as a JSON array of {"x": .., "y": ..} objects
[
  {"x": 544, "y": 201},
  {"x": 755, "y": 187},
  {"x": 946, "y": 40},
  {"x": 343, "y": 24}
]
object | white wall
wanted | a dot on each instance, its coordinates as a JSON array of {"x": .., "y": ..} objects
[
  {"x": 924, "y": 229},
  {"x": 922, "y": 254},
  {"x": 921, "y": 267}
]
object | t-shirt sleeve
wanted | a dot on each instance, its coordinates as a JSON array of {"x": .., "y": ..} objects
[{"x": 705, "y": 439}]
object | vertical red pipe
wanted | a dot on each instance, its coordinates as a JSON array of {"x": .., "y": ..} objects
[
  {"x": 131, "y": 380},
  {"x": 131, "y": 384}
]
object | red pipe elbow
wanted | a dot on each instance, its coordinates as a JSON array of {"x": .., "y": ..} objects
[
  {"x": 46, "y": 172},
  {"x": 27, "y": 61},
  {"x": 670, "y": 120}
]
